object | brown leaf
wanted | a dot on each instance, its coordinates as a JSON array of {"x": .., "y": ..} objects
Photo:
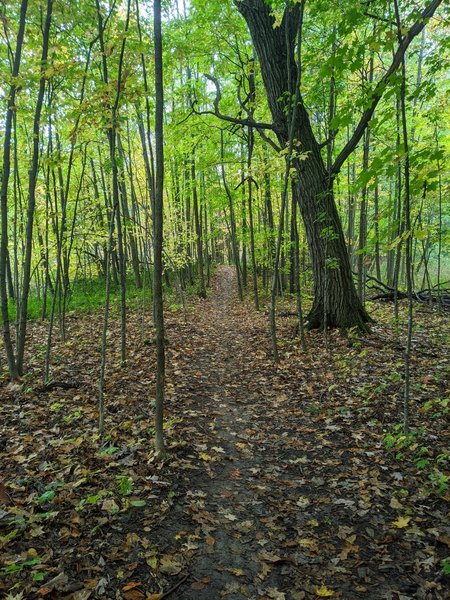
[
  {"x": 131, "y": 586},
  {"x": 170, "y": 565},
  {"x": 199, "y": 585},
  {"x": 134, "y": 595},
  {"x": 4, "y": 496}
]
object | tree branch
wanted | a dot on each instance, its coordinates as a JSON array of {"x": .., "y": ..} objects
[
  {"x": 219, "y": 115},
  {"x": 427, "y": 13},
  {"x": 267, "y": 139}
]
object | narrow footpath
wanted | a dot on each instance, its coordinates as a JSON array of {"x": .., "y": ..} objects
[{"x": 278, "y": 496}]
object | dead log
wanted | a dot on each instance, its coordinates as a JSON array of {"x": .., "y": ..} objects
[{"x": 429, "y": 296}]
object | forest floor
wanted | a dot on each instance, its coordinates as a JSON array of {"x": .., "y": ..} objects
[{"x": 285, "y": 481}]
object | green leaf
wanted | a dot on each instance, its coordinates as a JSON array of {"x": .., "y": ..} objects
[
  {"x": 46, "y": 497},
  {"x": 138, "y": 503}
]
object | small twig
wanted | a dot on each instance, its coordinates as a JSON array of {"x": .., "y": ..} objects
[{"x": 174, "y": 588}]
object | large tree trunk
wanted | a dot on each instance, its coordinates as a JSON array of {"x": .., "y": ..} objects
[{"x": 336, "y": 303}]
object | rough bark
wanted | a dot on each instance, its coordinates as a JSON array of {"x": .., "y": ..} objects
[{"x": 335, "y": 300}]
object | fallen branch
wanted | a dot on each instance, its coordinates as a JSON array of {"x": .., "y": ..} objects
[
  {"x": 64, "y": 385},
  {"x": 173, "y": 589}
]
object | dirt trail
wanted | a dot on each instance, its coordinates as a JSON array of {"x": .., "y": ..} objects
[
  {"x": 285, "y": 492},
  {"x": 256, "y": 503},
  {"x": 225, "y": 506}
]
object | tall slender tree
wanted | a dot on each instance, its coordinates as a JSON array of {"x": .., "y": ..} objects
[
  {"x": 6, "y": 169},
  {"x": 32, "y": 180},
  {"x": 158, "y": 309}
]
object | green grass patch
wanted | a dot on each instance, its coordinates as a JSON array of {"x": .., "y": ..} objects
[{"x": 88, "y": 295}]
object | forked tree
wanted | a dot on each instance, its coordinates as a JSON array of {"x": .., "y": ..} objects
[{"x": 336, "y": 302}]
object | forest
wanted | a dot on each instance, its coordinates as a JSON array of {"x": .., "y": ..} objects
[{"x": 224, "y": 299}]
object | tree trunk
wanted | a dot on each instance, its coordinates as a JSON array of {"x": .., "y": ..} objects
[
  {"x": 335, "y": 303},
  {"x": 128, "y": 222},
  {"x": 32, "y": 181},
  {"x": 13, "y": 372},
  {"x": 232, "y": 227},
  {"x": 158, "y": 309},
  {"x": 198, "y": 231}
]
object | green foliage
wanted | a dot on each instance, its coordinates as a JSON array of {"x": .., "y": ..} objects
[
  {"x": 407, "y": 447},
  {"x": 124, "y": 485},
  {"x": 445, "y": 563},
  {"x": 108, "y": 451},
  {"x": 47, "y": 496}
]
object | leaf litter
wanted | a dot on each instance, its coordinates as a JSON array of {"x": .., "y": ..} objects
[{"x": 284, "y": 481}]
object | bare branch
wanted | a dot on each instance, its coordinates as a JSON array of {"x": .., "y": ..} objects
[
  {"x": 269, "y": 141},
  {"x": 377, "y": 18},
  {"x": 219, "y": 115}
]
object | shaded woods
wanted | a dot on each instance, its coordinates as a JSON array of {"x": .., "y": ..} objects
[{"x": 224, "y": 285}]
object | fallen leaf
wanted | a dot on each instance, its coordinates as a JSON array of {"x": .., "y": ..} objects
[
  {"x": 199, "y": 585},
  {"x": 131, "y": 586},
  {"x": 324, "y": 592},
  {"x": 206, "y": 457},
  {"x": 58, "y": 583},
  {"x": 394, "y": 503},
  {"x": 110, "y": 506},
  {"x": 151, "y": 560},
  {"x": 270, "y": 557},
  {"x": 170, "y": 565},
  {"x": 313, "y": 523},
  {"x": 402, "y": 522},
  {"x": 302, "y": 501},
  {"x": 80, "y": 595},
  {"x": 134, "y": 595},
  {"x": 230, "y": 517},
  {"x": 4, "y": 496}
]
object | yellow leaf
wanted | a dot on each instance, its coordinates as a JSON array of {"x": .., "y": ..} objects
[
  {"x": 278, "y": 19},
  {"x": 303, "y": 501},
  {"x": 402, "y": 522},
  {"x": 152, "y": 561},
  {"x": 241, "y": 445},
  {"x": 308, "y": 543},
  {"x": 206, "y": 457},
  {"x": 324, "y": 592},
  {"x": 313, "y": 523}
]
